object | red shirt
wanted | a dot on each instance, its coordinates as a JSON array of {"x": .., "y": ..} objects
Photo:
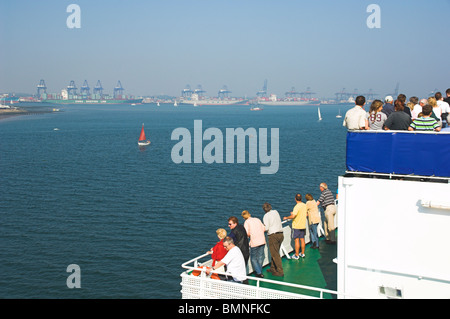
[{"x": 218, "y": 252}]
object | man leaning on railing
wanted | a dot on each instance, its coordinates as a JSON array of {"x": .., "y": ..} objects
[{"x": 234, "y": 260}]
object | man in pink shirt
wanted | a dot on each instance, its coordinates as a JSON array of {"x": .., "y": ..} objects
[{"x": 255, "y": 230}]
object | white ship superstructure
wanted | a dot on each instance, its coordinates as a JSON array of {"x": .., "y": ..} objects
[
  {"x": 273, "y": 100},
  {"x": 196, "y": 100}
]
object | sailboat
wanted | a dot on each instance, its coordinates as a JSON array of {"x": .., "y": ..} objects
[
  {"x": 320, "y": 116},
  {"x": 142, "y": 140},
  {"x": 339, "y": 114}
]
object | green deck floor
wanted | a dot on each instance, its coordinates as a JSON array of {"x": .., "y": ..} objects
[{"x": 316, "y": 269}]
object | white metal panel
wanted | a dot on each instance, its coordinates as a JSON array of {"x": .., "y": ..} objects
[{"x": 388, "y": 238}]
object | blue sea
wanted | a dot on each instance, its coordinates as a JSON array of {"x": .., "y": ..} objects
[{"x": 86, "y": 194}]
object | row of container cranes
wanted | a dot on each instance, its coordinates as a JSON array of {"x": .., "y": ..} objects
[
  {"x": 85, "y": 90},
  {"x": 187, "y": 92},
  {"x": 71, "y": 92}
]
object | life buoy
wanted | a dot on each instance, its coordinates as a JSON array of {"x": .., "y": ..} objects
[{"x": 198, "y": 272}]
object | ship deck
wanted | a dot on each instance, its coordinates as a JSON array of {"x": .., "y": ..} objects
[
  {"x": 317, "y": 270},
  {"x": 314, "y": 276}
]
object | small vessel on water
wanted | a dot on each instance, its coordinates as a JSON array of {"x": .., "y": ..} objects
[
  {"x": 339, "y": 114},
  {"x": 142, "y": 139},
  {"x": 256, "y": 108},
  {"x": 318, "y": 113}
]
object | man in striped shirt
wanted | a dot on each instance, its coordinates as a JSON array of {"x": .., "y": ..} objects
[
  {"x": 326, "y": 199},
  {"x": 425, "y": 123}
]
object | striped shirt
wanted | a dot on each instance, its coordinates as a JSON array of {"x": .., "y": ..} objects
[
  {"x": 326, "y": 198},
  {"x": 424, "y": 124}
]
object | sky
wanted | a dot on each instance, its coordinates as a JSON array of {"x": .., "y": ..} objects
[{"x": 159, "y": 46}]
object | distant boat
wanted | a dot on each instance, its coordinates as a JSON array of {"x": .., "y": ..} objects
[
  {"x": 320, "y": 116},
  {"x": 339, "y": 114},
  {"x": 142, "y": 140},
  {"x": 256, "y": 108},
  {"x": 175, "y": 103}
]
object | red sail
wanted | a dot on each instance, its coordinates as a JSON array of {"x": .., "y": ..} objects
[{"x": 142, "y": 136}]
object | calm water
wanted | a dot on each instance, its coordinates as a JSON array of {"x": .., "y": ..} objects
[{"x": 86, "y": 194}]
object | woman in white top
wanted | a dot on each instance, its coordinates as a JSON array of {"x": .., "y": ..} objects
[
  {"x": 437, "y": 111},
  {"x": 375, "y": 118}
]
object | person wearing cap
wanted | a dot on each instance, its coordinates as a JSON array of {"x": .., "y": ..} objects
[
  {"x": 388, "y": 106},
  {"x": 398, "y": 120}
]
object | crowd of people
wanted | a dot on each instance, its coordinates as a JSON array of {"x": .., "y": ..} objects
[
  {"x": 248, "y": 241},
  {"x": 415, "y": 115}
]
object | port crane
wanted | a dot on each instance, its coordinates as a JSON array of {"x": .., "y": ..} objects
[
  {"x": 41, "y": 88},
  {"x": 370, "y": 96},
  {"x": 85, "y": 90},
  {"x": 72, "y": 88},
  {"x": 224, "y": 92},
  {"x": 292, "y": 93},
  {"x": 342, "y": 95},
  {"x": 307, "y": 94},
  {"x": 199, "y": 90},
  {"x": 186, "y": 92},
  {"x": 118, "y": 90},
  {"x": 98, "y": 89},
  {"x": 263, "y": 92}
]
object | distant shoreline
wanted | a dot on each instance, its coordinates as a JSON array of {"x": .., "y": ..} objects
[{"x": 7, "y": 113}]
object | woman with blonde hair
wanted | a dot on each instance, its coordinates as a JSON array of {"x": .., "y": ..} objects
[
  {"x": 375, "y": 118},
  {"x": 218, "y": 251},
  {"x": 411, "y": 107},
  {"x": 312, "y": 212},
  {"x": 437, "y": 112}
]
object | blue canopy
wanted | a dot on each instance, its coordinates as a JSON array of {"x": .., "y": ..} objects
[{"x": 399, "y": 152}]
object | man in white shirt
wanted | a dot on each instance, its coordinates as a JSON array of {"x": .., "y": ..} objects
[
  {"x": 272, "y": 224},
  {"x": 418, "y": 108},
  {"x": 355, "y": 118},
  {"x": 234, "y": 260},
  {"x": 445, "y": 108}
]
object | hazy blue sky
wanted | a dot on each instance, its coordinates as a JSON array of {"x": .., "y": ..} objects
[{"x": 159, "y": 46}]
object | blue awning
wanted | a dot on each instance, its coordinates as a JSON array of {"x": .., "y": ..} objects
[{"x": 399, "y": 152}]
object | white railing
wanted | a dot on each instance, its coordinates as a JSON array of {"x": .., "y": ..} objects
[{"x": 203, "y": 287}]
